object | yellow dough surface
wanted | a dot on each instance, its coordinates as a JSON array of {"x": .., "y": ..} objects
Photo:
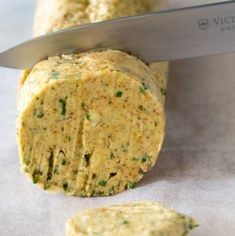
[
  {"x": 89, "y": 124},
  {"x": 53, "y": 15},
  {"x": 133, "y": 219}
]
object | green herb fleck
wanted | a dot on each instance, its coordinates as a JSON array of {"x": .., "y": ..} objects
[
  {"x": 38, "y": 113},
  {"x": 131, "y": 184},
  {"x": 143, "y": 88},
  {"x": 125, "y": 222},
  {"x": 111, "y": 156},
  {"x": 88, "y": 116},
  {"x": 65, "y": 186},
  {"x": 35, "y": 176},
  {"x": 119, "y": 94},
  {"x": 192, "y": 226},
  {"x": 144, "y": 158},
  {"x": 55, "y": 74},
  {"x": 102, "y": 183},
  {"x": 63, "y": 162},
  {"x": 63, "y": 103},
  {"x": 25, "y": 161},
  {"x": 55, "y": 170}
]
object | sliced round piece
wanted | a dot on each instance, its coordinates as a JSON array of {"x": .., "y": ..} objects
[
  {"x": 133, "y": 219},
  {"x": 89, "y": 124}
]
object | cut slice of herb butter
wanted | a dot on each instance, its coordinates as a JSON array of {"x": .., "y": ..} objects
[
  {"x": 133, "y": 219},
  {"x": 89, "y": 124}
]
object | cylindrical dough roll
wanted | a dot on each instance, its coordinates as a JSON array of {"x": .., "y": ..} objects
[{"x": 89, "y": 124}]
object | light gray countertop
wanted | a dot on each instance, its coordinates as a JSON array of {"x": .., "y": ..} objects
[{"x": 195, "y": 173}]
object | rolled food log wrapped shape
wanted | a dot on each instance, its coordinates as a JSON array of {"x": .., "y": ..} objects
[{"x": 89, "y": 124}]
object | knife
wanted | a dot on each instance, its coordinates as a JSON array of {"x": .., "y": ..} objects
[{"x": 166, "y": 35}]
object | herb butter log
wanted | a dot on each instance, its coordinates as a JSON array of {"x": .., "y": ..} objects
[
  {"x": 133, "y": 219},
  {"x": 53, "y": 15},
  {"x": 89, "y": 124}
]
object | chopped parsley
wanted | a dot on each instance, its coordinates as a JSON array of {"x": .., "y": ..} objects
[
  {"x": 65, "y": 186},
  {"x": 111, "y": 156},
  {"x": 38, "y": 113},
  {"x": 35, "y": 176},
  {"x": 144, "y": 158},
  {"x": 63, "y": 162},
  {"x": 143, "y": 88},
  {"x": 125, "y": 222},
  {"x": 131, "y": 184},
  {"x": 55, "y": 170},
  {"x": 88, "y": 116},
  {"x": 119, "y": 94},
  {"x": 63, "y": 103},
  {"x": 102, "y": 183}
]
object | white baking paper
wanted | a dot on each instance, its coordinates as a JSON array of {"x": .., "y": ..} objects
[{"x": 195, "y": 173}]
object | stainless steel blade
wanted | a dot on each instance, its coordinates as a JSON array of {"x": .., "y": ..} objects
[{"x": 167, "y": 35}]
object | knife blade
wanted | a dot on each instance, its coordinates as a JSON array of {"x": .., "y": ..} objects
[{"x": 166, "y": 35}]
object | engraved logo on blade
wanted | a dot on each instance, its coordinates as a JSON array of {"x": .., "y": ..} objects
[{"x": 203, "y": 24}]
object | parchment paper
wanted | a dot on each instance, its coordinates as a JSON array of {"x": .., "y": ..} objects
[{"x": 195, "y": 173}]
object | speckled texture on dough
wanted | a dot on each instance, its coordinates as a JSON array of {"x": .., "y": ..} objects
[
  {"x": 133, "y": 219},
  {"x": 59, "y": 14},
  {"x": 89, "y": 124},
  {"x": 54, "y": 15}
]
